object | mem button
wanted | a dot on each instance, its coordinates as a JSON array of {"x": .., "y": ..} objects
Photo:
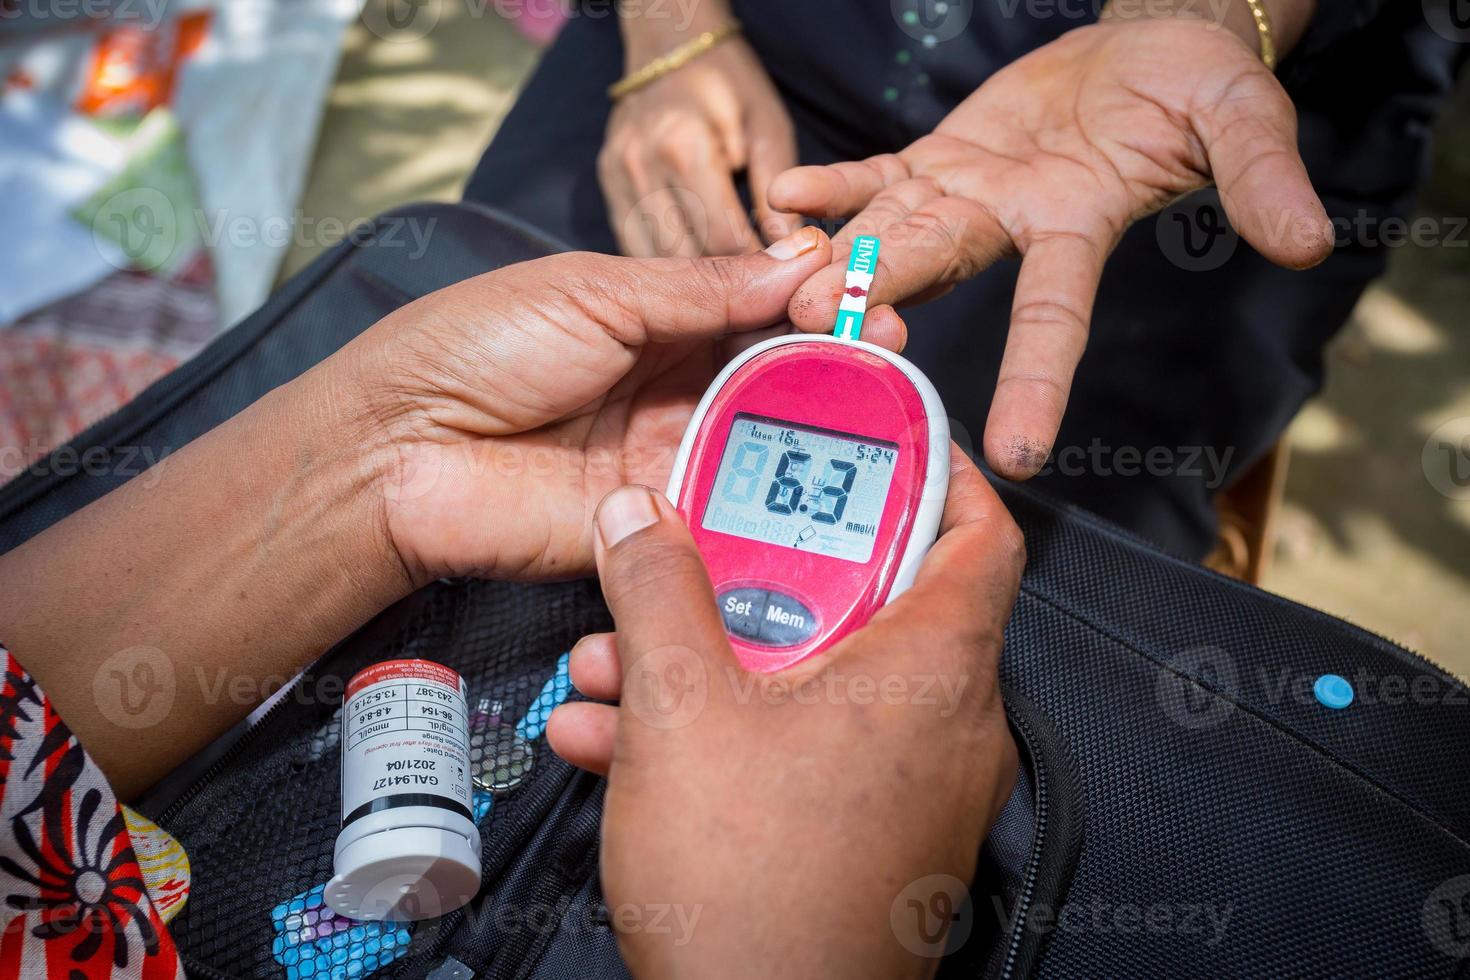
[
  {"x": 742, "y": 610},
  {"x": 785, "y": 622}
]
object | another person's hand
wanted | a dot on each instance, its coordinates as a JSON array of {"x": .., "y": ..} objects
[
  {"x": 787, "y": 812},
  {"x": 1053, "y": 158},
  {"x": 673, "y": 148}
]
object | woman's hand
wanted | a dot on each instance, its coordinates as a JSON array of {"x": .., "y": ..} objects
[
  {"x": 1053, "y": 158},
  {"x": 789, "y": 812},
  {"x": 673, "y": 148},
  {"x": 511, "y": 403}
]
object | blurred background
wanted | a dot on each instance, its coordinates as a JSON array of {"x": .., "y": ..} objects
[{"x": 360, "y": 115}]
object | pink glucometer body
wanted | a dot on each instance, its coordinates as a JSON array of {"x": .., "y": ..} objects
[{"x": 813, "y": 476}]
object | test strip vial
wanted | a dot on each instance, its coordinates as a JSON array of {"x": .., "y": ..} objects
[{"x": 408, "y": 848}]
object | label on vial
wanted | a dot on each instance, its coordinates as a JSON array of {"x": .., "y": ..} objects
[{"x": 405, "y": 739}]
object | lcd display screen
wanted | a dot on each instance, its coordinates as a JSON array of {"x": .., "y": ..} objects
[{"x": 801, "y": 487}]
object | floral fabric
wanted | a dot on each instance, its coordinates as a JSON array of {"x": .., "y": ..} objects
[{"x": 73, "y": 899}]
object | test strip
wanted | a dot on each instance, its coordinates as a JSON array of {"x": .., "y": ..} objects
[{"x": 861, "y": 264}]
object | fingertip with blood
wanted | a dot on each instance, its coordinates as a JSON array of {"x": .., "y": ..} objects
[{"x": 1015, "y": 455}]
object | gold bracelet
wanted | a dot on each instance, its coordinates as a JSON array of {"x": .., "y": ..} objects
[
  {"x": 1263, "y": 28},
  {"x": 675, "y": 59}
]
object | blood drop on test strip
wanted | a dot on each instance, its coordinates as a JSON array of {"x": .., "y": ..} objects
[{"x": 862, "y": 262}]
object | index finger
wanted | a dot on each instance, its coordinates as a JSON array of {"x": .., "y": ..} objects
[
  {"x": 835, "y": 190},
  {"x": 928, "y": 241},
  {"x": 1050, "y": 317}
]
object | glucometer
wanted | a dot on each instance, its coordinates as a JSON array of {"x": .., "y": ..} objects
[{"x": 813, "y": 476}]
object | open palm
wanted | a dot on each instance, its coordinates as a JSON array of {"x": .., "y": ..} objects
[{"x": 1053, "y": 158}]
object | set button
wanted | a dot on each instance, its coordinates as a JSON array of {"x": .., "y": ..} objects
[
  {"x": 768, "y": 617},
  {"x": 742, "y": 610}
]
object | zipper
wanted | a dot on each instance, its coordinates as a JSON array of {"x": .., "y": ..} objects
[
  {"x": 540, "y": 799},
  {"x": 407, "y": 608},
  {"x": 228, "y": 756},
  {"x": 161, "y": 398},
  {"x": 1108, "y": 529},
  {"x": 194, "y": 967},
  {"x": 1033, "y": 865},
  {"x": 580, "y": 835}
]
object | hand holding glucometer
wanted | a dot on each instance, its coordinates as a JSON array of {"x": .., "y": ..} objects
[
  {"x": 813, "y": 475},
  {"x": 808, "y": 629},
  {"x": 797, "y": 806}
]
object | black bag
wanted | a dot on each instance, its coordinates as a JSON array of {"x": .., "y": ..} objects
[{"x": 1185, "y": 803}]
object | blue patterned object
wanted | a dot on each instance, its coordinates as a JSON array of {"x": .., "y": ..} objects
[
  {"x": 482, "y": 804},
  {"x": 314, "y": 943},
  {"x": 553, "y": 693}
]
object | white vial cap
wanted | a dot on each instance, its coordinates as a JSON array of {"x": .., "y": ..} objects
[{"x": 405, "y": 864}]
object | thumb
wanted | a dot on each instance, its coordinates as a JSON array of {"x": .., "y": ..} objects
[
  {"x": 670, "y": 636},
  {"x": 1249, "y": 132},
  {"x": 688, "y": 299}
]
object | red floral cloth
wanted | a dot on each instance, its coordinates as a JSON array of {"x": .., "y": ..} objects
[{"x": 73, "y": 902}]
